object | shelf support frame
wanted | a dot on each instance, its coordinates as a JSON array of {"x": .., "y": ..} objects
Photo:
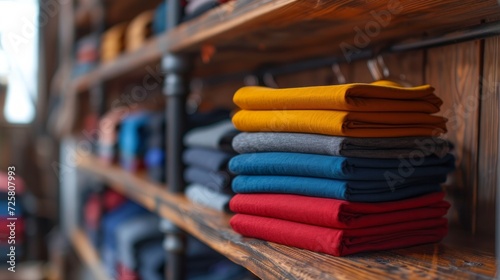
[{"x": 176, "y": 89}]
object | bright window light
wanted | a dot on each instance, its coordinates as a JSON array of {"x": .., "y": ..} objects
[{"x": 19, "y": 58}]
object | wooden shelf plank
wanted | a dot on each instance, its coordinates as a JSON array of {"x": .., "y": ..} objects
[
  {"x": 273, "y": 261},
  {"x": 246, "y": 34},
  {"x": 88, "y": 254},
  {"x": 116, "y": 11}
]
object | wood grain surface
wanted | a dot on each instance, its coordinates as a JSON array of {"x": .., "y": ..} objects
[
  {"x": 116, "y": 11},
  {"x": 454, "y": 72},
  {"x": 246, "y": 34},
  {"x": 273, "y": 261},
  {"x": 489, "y": 137}
]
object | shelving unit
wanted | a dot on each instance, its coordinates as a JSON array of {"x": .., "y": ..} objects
[
  {"x": 246, "y": 36},
  {"x": 116, "y": 11},
  {"x": 449, "y": 260}
]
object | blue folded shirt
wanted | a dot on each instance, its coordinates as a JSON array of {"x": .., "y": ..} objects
[
  {"x": 110, "y": 223},
  {"x": 361, "y": 191},
  {"x": 344, "y": 168}
]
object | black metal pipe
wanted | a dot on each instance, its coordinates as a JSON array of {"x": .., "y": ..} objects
[
  {"x": 478, "y": 32},
  {"x": 176, "y": 89}
]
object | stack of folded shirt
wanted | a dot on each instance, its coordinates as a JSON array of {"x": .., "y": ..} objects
[
  {"x": 110, "y": 225},
  {"x": 196, "y": 8},
  {"x": 139, "y": 29},
  {"x": 107, "y": 140},
  {"x": 156, "y": 148},
  {"x": 154, "y": 158},
  {"x": 203, "y": 263},
  {"x": 369, "y": 148},
  {"x": 87, "y": 55},
  {"x": 132, "y": 140},
  {"x": 113, "y": 42},
  {"x": 141, "y": 255},
  {"x": 97, "y": 204},
  {"x": 193, "y": 9},
  {"x": 206, "y": 157},
  {"x": 12, "y": 221}
]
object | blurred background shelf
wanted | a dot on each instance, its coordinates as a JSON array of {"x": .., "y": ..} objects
[{"x": 116, "y": 11}]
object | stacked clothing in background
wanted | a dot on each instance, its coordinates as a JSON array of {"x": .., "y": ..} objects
[
  {"x": 113, "y": 42},
  {"x": 193, "y": 9},
  {"x": 154, "y": 159},
  {"x": 206, "y": 157},
  {"x": 87, "y": 55},
  {"x": 107, "y": 140},
  {"x": 139, "y": 29},
  {"x": 331, "y": 156},
  {"x": 132, "y": 140},
  {"x": 140, "y": 253},
  {"x": 12, "y": 212},
  {"x": 196, "y": 8},
  {"x": 97, "y": 204},
  {"x": 203, "y": 263},
  {"x": 110, "y": 225},
  {"x": 156, "y": 148}
]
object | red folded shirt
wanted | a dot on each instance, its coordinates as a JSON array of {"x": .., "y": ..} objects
[
  {"x": 125, "y": 273},
  {"x": 113, "y": 200},
  {"x": 92, "y": 211},
  {"x": 335, "y": 213},
  {"x": 340, "y": 242}
]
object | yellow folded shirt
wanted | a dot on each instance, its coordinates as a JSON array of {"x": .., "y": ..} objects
[
  {"x": 139, "y": 30},
  {"x": 341, "y": 123},
  {"x": 381, "y": 96}
]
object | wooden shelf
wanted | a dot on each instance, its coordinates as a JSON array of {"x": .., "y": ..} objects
[
  {"x": 246, "y": 34},
  {"x": 88, "y": 254},
  {"x": 449, "y": 260},
  {"x": 116, "y": 11}
]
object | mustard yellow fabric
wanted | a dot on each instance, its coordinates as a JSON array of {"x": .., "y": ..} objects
[
  {"x": 139, "y": 30},
  {"x": 341, "y": 123},
  {"x": 381, "y": 96},
  {"x": 112, "y": 44}
]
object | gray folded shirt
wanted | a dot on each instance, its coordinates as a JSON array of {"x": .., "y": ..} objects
[
  {"x": 218, "y": 181},
  {"x": 202, "y": 195},
  {"x": 339, "y": 146},
  {"x": 209, "y": 159},
  {"x": 209, "y": 136}
]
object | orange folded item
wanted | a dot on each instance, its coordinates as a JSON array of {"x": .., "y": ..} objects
[
  {"x": 341, "y": 123},
  {"x": 380, "y": 96}
]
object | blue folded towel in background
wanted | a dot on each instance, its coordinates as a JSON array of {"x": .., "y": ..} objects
[
  {"x": 132, "y": 233},
  {"x": 110, "y": 224}
]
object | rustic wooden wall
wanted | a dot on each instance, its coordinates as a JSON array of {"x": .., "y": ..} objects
[
  {"x": 467, "y": 77},
  {"x": 488, "y": 137}
]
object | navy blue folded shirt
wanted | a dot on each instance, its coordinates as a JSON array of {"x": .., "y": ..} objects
[
  {"x": 360, "y": 191},
  {"x": 335, "y": 167}
]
